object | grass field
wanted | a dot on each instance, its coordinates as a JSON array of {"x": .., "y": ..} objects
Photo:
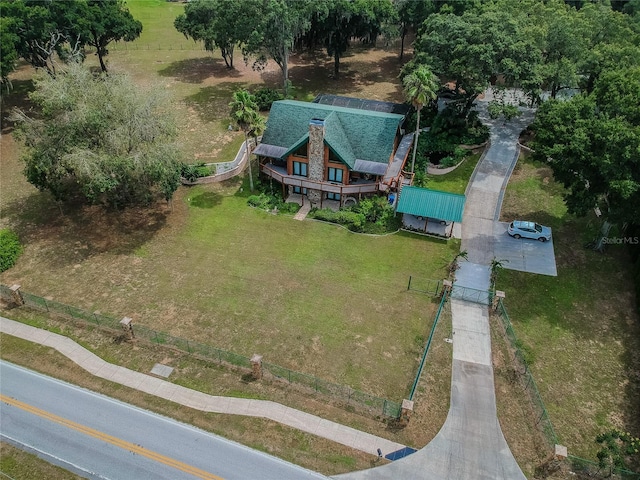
[{"x": 580, "y": 330}]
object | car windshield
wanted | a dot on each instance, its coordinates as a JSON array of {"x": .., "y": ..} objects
[{"x": 538, "y": 228}]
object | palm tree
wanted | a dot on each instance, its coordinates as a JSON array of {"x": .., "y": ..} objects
[
  {"x": 244, "y": 113},
  {"x": 420, "y": 87}
]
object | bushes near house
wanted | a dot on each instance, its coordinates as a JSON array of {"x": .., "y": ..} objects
[
  {"x": 265, "y": 97},
  {"x": 266, "y": 201},
  {"x": 441, "y": 145},
  {"x": 10, "y": 249},
  {"x": 371, "y": 215}
]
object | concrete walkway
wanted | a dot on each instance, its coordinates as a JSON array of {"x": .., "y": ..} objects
[
  {"x": 470, "y": 445},
  {"x": 305, "y": 422}
]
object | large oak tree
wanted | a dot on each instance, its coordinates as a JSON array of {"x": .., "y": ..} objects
[
  {"x": 100, "y": 139},
  {"x": 592, "y": 143}
]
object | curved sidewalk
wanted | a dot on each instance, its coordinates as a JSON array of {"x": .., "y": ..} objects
[
  {"x": 470, "y": 445},
  {"x": 305, "y": 422}
]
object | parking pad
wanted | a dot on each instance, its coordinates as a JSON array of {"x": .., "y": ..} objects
[{"x": 522, "y": 254}]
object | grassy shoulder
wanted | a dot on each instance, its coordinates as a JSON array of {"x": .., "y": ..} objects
[
  {"x": 580, "y": 330},
  {"x": 214, "y": 379},
  {"x": 265, "y": 435},
  {"x": 17, "y": 464}
]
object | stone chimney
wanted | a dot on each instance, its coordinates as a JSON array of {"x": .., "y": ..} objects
[{"x": 316, "y": 157}]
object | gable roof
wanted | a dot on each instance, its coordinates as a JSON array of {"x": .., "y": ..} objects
[
  {"x": 352, "y": 134},
  {"x": 362, "y": 104},
  {"x": 426, "y": 203}
]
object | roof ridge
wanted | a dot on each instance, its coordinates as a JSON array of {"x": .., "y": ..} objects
[{"x": 335, "y": 108}]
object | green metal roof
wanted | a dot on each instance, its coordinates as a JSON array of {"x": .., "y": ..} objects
[
  {"x": 426, "y": 203},
  {"x": 351, "y": 133}
]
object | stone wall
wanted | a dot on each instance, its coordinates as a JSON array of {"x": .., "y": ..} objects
[{"x": 316, "y": 157}]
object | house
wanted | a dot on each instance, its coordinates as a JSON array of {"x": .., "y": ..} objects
[{"x": 335, "y": 148}]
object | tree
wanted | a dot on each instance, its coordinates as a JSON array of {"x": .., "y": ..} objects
[
  {"x": 563, "y": 48},
  {"x": 100, "y": 140},
  {"x": 476, "y": 48},
  {"x": 420, "y": 87},
  {"x": 222, "y": 24},
  {"x": 109, "y": 21},
  {"x": 281, "y": 23},
  {"x": 411, "y": 14},
  {"x": 612, "y": 40},
  {"x": 338, "y": 21},
  {"x": 592, "y": 143},
  {"x": 37, "y": 31},
  {"x": 9, "y": 55},
  {"x": 244, "y": 114}
]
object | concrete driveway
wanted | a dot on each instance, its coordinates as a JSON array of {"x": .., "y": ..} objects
[{"x": 522, "y": 254}]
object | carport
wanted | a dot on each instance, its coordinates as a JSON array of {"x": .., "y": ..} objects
[{"x": 430, "y": 211}]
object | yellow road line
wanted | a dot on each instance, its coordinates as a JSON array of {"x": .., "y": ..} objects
[{"x": 132, "y": 447}]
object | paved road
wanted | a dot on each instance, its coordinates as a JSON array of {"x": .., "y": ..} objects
[{"x": 86, "y": 432}]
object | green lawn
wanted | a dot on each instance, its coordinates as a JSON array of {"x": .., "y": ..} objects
[
  {"x": 308, "y": 296},
  {"x": 456, "y": 181},
  {"x": 580, "y": 329}
]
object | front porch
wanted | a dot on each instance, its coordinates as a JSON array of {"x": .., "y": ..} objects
[{"x": 355, "y": 189}]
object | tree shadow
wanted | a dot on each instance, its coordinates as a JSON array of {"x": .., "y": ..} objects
[
  {"x": 197, "y": 70},
  {"x": 316, "y": 75},
  {"x": 212, "y": 103},
  {"x": 205, "y": 200},
  {"x": 18, "y": 98},
  {"x": 69, "y": 234}
]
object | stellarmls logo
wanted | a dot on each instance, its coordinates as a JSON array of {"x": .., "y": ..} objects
[{"x": 621, "y": 240}]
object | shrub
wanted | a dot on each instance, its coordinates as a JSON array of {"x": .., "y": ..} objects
[
  {"x": 352, "y": 220},
  {"x": 289, "y": 208},
  {"x": 372, "y": 208},
  {"x": 191, "y": 172},
  {"x": 263, "y": 201},
  {"x": 10, "y": 249},
  {"x": 269, "y": 202},
  {"x": 265, "y": 97}
]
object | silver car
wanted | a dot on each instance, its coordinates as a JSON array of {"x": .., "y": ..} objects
[{"x": 533, "y": 230}]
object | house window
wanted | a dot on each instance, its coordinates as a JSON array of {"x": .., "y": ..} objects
[
  {"x": 333, "y": 158},
  {"x": 335, "y": 175},
  {"x": 301, "y": 190},
  {"x": 300, "y": 169},
  {"x": 301, "y": 151},
  {"x": 333, "y": 196}
]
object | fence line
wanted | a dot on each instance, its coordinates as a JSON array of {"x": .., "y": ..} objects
[
  {"x": 428, "y": 345},
  {"x": 352, "y": 397},
  {"x": 430, "y": 287},
  {"x": 543, "y": 421}
]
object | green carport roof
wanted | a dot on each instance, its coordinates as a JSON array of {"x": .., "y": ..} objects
[{"x": 426, "y": 203}]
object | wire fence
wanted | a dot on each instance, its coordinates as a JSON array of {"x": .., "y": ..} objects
[
  {"x": 344, "y": 394},
  {"x": 427, "y": 286},
  {"x": 137, "y": 46},
  {"x": 428, "y": 345},
  {"x": 542, "y": 417},
  {"x": 587, "y": 468}
]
